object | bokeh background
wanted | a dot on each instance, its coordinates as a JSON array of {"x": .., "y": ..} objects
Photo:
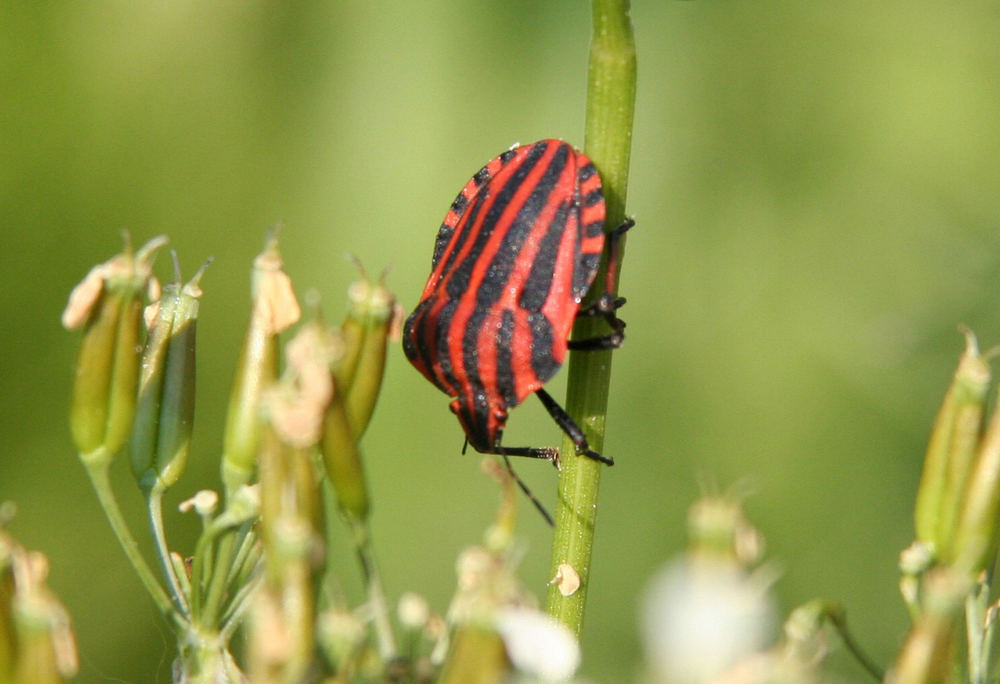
[{"x": 816, "y": 189}]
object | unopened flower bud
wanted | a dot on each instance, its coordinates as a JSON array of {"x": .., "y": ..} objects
[
  {"x": 717, "y": 526},
  {"x": 413, "y": 611},
  {"x": 161, "y": 433},
  {"x": 108, "y": 305},
  {"x": 204, "y": 503},
  {"x": 340, "y": 634},
  {"x": 274, "y": 308}
]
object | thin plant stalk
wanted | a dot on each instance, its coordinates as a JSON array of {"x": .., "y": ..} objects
[
  {"x": 102, "y": 487},
  {"x": 154, "y": 503},
  {"x": 839, "y": 623},
  {"x": 608, "y": 136},
  {"x": 217, "y": 585},
  {"x": 379, "y": 606}
]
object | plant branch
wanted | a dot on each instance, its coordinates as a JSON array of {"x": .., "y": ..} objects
[
  {"x": 98, "y": 474},
  {"x": 610, "y": 109}
]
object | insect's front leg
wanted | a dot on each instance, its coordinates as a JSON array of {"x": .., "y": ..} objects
[{"x": 607, "y": 304}]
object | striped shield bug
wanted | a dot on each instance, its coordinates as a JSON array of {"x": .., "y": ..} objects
[{"x": 514, "y": 257}]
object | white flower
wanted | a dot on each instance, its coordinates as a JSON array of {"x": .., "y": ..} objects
[
  {"x": 537, "y": 644},
  {"x": 702, "y": 616}
]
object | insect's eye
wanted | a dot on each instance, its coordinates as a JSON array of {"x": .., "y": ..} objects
[{"x": 454, "y": 407}]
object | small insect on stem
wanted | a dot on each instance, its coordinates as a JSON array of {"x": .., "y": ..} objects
[{"x": 513, "y": 259}]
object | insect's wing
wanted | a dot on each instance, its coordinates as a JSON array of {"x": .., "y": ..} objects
[
  {"x": 469, "y": 196},
  {"x": 513, "y": 258}
]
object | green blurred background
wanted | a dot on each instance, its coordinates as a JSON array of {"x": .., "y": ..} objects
[{"x": 816, "y": 191}]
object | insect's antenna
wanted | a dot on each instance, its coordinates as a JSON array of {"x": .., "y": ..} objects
[{"x": 527, "y": 492}]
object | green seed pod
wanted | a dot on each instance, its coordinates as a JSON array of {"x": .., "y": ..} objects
[
  {"x": 476, "y": 656},
  {"x": 164, "y": 419},
  {"x": 976, "y": 536},
  {"x": 307, "y": 408},
  {"x": 8, "y": 636},
  {"x": 352, "y": 333},
  {"x": 342, "y": 460},
  {"x": 47, "y": 652},
  {"x": 273, "y": 310},
  {"x": 290, "y": 504},
  {"x": 108, "y": 304},
  {"x": 36, "y": 642},
  {"x": 365, "y": 331},
  {"x": 951, "y": 451},
  {"x": 294, "y": 412},
  {"x": 927, "y": 654},
  {"x": 292, "y": 533}
]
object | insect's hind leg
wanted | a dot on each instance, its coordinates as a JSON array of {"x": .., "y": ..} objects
[
  {"x": 548, "y": 454},
  {"x": 570, "y": 427}
]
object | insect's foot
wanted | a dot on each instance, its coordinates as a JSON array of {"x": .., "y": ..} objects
[
  {"x": 625, "y": 225},
  {"x": 554, "y": 458},
  {"x": 590, "y": 453}
]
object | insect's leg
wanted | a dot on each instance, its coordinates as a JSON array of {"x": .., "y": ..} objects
[
  {"x": 568, "y": 426},
  {"x": 527, "y": 492},
  {"x": 548, "y": 454},
  {"x": 612, "y": 341},
  {"x": 544, "y": 453},
  {"x": 602, "y": 307},
  {"x": 607, "y": 304},
  {"x": 614, "y": 240}
]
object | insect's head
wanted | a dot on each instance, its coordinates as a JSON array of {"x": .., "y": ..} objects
[{"x": 483, "y": 423}]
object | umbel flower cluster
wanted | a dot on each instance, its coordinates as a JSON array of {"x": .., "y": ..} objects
[
  {"x": 291, "y": 443},
  {"x": 291, "y": 467}
]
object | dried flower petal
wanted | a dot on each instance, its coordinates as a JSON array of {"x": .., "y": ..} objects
[{"x": 83, "y": 297}]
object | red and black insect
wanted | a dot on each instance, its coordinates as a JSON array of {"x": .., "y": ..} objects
[{"x": 514, "y": 257}]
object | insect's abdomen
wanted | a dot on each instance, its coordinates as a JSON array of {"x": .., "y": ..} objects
[{"x": 514, "y": 256}]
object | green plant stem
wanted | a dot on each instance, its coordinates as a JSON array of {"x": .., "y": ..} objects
[
  {"x": 201, "y": 569},
  {"x": 238, "y": 607},
  {"x": 98, "y": 474},
  {"x": 154, "y": 503},
  {"x": 871, "y": 667},
  {"x": 610, "y": 109},
  {"x": 377, "y": 602},
  {"x": 212, "y": 608},
  {"x": 243, "y": 562},
  {"x": 247, "y": 564}
]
